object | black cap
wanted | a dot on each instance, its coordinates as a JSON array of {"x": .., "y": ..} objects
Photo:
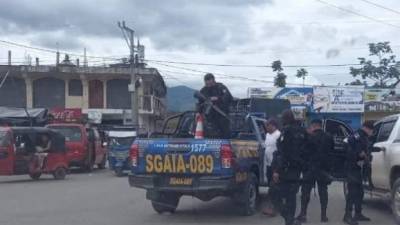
[
  {"x": 209, "y": 76},
  {"x": 369, "y": 124},
  {"x": 316, "y": 121}
]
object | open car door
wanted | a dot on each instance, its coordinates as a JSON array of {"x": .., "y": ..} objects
[
  {"x": 339, "y": 131},
  {"x": 259, "y": 132}
]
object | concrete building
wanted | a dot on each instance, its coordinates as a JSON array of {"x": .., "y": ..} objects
[{"x": 100, "y": 89}]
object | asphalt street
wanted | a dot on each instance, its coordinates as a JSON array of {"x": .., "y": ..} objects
[{"x": 100, "y": 198}]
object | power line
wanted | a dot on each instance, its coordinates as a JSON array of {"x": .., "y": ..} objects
[
  {"x": 244, "y": 78},
  {"x": 357, "y": 14},
  {"x": 250, "y": 65},
  {"x": 381, "y": 6},
  {"x": 51, "y": 50}
]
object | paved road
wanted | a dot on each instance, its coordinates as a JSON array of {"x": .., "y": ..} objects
[{"x": 101, "y": 198}]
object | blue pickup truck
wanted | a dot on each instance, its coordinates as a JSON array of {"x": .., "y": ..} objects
[{"x": 174, "y": 164}]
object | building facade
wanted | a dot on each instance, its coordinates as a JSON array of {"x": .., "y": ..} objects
[{"x": 101, "y": 89}]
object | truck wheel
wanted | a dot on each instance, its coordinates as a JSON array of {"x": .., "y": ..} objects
[
  {"x": 35, "y": 176},
  {"x": 89, "y": 168},
  {"x": 102, "y": 164},
  {"x": 396, "y": 200},
  {"x": 118, "y": 172},
  {"x": 167, "y": 202},
  {"x": 60, "y": 173},
  {"x": 249, "y": 196}
]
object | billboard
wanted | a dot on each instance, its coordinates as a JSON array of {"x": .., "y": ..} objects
[
  {"x": 382, "y": 100},
  {"x": 297, "y": 96},
  {"x": 347, "y": 99}
]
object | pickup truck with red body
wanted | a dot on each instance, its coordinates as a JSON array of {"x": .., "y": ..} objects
[{"x": 84, "y": 145}]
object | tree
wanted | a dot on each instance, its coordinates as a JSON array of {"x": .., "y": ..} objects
[
  {"x": 358, "y": 82},
  {"x": 280, "y": 78},
  {"x": 384, "y": 72},
  {"x": 302, "y": 73}
]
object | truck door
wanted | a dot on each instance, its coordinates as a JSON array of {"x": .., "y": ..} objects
[
  {"x": 339, "y": 131},
  {"x": 259, "y": 133},
  {"x": 6, "y": 154},
  {"x": 380, "y": 160}
]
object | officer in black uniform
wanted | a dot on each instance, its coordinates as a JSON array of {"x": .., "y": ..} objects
[
  {"x": 319, "y": 145},
  {"x": 222, "y": 98},
  {"x": 287, "y": 165},
  {"x": 356, "y": 156}
]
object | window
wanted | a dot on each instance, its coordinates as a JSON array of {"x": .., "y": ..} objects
[
  {"x": 70, "y": 133},
  {"x": 172, "y": 124},
  {"x": 4, "y": 139},
  {"x": 385, "y": 131},
  {"x": 75, "y": 88},
  {"x": 336, "y": 129}
]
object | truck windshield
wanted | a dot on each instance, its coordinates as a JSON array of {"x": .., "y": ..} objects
[
  {"x": 4, "y": 139},
  {"x": 117, "y": 141},
  {"x": 70, "y": 133}
]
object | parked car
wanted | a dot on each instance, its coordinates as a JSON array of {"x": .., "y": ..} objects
[
  {"x": 85, "y": 146},
  {"x": 386, "y": 163}
]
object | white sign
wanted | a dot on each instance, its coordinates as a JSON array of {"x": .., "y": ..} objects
[
  {"x": 95, "y": 117},
  {"x": 339, "y": 99}
]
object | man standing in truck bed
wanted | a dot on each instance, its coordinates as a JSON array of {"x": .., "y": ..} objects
[{"x": 222, "y": 98}]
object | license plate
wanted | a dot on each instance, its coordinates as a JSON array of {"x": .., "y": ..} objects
[
  {"x": 180, "y": 181},
  {"x": 176, "y": 163}
]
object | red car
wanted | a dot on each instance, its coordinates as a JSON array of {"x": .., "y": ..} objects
[
  {"x": 34, "y": 151},
  {"x": 84, "y": 145}
]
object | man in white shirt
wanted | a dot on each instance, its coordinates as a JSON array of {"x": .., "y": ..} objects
[{"x": 271, "y": 139}]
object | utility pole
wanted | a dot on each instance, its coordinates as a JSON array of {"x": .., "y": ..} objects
[{"x": 128, "y": 34}]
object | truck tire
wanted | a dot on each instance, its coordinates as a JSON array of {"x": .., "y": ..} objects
[
  {"x": 35, "y": 176},
  {"x": 395, "y": 200},
  {"x": 60, "y": 173},
  {"x": 166, "y": 202},
  {"x": 119, "y": 172},
  {"x": 249, "y": 196},
  {"x": 102, "y": 164}
]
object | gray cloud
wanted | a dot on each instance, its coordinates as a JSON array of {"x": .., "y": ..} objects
[
  {"x": 332, "y": 53},
  {"x": 172, "y": 24}
]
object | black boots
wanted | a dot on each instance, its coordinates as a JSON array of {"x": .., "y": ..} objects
[
  {"x": 361, "y": 217},
  {"x": 348, "y": 219}
]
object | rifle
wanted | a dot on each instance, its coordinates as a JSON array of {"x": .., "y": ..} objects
[{"x": 208, "y": 104}]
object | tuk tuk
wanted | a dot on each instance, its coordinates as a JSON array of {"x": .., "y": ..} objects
[
  {"x": 33, "y": 151},
  {"x": 119, "y": 144}
]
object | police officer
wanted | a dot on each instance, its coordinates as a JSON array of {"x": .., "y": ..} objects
[
  {"x": 356, "y": 155},
  {"x": 316, "y": 170},
  {"x": 287, "y": 165},
  {"x": 222, "y": 98}
]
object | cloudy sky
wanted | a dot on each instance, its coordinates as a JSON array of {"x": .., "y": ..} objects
[{"x": 256, "y": 32}]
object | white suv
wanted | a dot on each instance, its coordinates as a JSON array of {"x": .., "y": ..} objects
[{"x": 386, "y": 162}]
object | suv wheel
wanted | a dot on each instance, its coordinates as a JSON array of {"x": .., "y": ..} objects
[
  {"x": 166, "y": 202},
  {"x": 396, "y": 200},
  {"x": 60, "y": 173},
  {"x": 248, "y": 197},
  {"x": 35, "y": 176}
]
